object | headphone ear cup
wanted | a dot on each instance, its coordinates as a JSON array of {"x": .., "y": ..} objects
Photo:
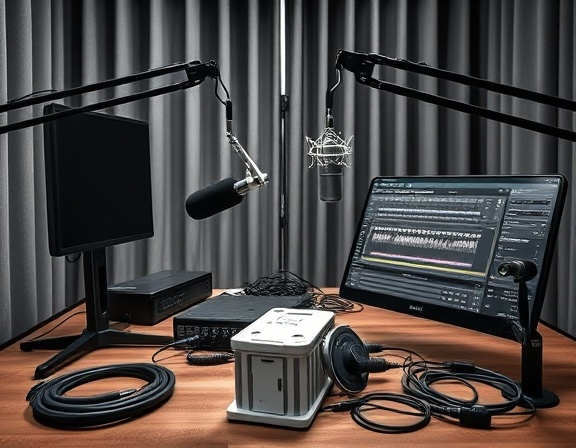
[{"x": 342, "y": 350}]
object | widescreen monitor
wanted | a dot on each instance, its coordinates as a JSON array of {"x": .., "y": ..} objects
[{"x": 431, "y": 246}]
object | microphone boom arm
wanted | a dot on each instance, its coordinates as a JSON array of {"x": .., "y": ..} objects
[
  {"x": 255, "y": 178},
  {"x": 196, "y": 72},
  {"x": 362, "y": 66}
]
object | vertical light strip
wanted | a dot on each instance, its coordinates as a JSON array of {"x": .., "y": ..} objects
[
  {"x": 283, "y": 228},
  {"x": 282, "y": 47}
]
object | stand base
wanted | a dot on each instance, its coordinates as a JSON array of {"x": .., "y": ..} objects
[
  {"x": 74, "y": 347},
  {"x": 547, "y": 399}
]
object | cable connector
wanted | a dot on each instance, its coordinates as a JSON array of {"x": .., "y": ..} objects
[
  {"x": 34, "y": 391},
  {"x": 375, "y": 348},
  {"x": 345, "y": 405},
  {"x": 187, "y": 343},
  {"x": 380, "y": 365},
  {"x": 461, "y": 366},
  {"x": 475, "y": 417}
]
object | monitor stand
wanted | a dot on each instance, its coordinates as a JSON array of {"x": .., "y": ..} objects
[{"x": 97, "y": 333}]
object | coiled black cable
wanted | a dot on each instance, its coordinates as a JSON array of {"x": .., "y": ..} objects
[{"x": 51, "y": 407}]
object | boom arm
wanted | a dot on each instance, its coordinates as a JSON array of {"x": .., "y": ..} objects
[
  {"x": 362, "y": 66},
  {"x": 196, "y": 72}
]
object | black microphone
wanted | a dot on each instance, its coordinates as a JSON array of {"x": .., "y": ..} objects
[
  {"x": 226, "y": 193},
  {"x": 214, "y": 198},
  {"x": 330, "y": 182}
]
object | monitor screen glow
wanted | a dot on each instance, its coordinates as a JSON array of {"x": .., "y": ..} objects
[{"x": 431, "y": 247}]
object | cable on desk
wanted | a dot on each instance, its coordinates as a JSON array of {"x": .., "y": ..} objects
[
  {"x": 286, "y": 283},
  {"x": 52, "y": 407},
  {"x": 209, "y": 359},
  {"x": 62, "y": 322},
  {"x": 195, "y": 359},
  {"x": 187, "y": 343},
  {"x": 420, "y": 376},
  {"x": 360, "y": 408}
]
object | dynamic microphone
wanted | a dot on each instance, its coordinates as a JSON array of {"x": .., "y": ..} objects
[
  {"x": 213, "y": 199},
  {"x": 226, "y": 193}
]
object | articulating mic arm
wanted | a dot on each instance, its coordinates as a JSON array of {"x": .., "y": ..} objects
[
  {"x": 196, "y": 72},
  {"x": 362, "y": 65},
  {"x": 254, "y": 177}
]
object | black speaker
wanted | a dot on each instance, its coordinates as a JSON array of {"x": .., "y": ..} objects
[{"x": 346, "y": 360}]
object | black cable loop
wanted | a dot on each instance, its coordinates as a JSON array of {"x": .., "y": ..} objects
[
  {"x": 360, "y": 407},
  {"x": 419, "y": 376},
  {"x": 359, "y": 413},
  {"x": 51, "y": 407}
]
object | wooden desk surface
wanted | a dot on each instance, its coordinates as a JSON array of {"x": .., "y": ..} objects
[{"x": 195, "y": 416}]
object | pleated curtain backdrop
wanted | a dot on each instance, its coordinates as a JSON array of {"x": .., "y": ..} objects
[{"x": 60, "y": 44}]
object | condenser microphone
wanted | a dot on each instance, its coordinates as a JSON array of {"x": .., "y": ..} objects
[
  {"x": 216, "y": 198},
  {"x": 330, "y": 152}
]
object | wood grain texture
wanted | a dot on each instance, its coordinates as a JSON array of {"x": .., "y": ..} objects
[{"x": 195, "y": 416}]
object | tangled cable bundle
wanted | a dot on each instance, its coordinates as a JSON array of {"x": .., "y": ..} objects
[
  {"x": 280, "y": 283},
  {"x": 286, "y": 283}
]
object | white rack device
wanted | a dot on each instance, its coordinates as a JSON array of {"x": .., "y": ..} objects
[{"x": 279, "y": 374}]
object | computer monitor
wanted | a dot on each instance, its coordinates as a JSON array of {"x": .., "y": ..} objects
[
  {"x": 98, "y": 181},
  {"x": 99, "y": 194},
  {"x": 431, "y": 247}
]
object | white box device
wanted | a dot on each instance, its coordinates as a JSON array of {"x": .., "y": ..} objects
[{"x": 280, "y": 378}]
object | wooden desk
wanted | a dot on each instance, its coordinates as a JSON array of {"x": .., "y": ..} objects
[{"x": 195, "y": 416}]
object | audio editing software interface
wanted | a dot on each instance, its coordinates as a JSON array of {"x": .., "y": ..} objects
[{"x": 440, "y": 240}]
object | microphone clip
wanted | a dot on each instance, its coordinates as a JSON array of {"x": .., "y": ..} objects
[{"x": 255, "y": 178}]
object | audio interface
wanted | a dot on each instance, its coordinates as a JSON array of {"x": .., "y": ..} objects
[{"x": 148, "y": 300}]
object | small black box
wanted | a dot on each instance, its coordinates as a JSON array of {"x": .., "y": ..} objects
[
  {"x": 218, "y": 319},
  {"x": 148, "y": 300}
]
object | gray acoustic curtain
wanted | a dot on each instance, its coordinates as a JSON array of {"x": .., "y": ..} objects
[
  {"x": 66, "y": 43},
  {"x": 60, "y": 44}
]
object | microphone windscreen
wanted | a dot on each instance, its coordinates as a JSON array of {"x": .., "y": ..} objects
[{"x": 213, "y": 199}]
